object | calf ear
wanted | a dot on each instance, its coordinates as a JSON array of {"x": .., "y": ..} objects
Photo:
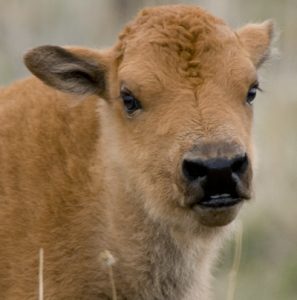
[
  {"x": 257, "y": 39},
  {"x": 73, "y": 70}
]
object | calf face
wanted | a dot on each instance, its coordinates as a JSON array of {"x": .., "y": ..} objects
[{"x": 177, "y": 112}]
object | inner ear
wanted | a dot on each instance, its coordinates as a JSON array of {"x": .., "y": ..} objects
[{"x": 79, "y": 72}]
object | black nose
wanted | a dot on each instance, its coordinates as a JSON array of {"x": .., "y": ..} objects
[{"x": 217, "y": 175}]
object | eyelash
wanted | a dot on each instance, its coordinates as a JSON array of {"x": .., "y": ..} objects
[
  {"x": 252, "y": 93},
  {"x": 131, "y": 103}
]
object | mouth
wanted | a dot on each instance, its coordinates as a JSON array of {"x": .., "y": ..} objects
[
  {"x": 218, "y": 209},
  {"x": 219, "y": 201}
]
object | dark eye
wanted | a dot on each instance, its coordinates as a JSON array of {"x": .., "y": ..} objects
[
  {"x": 131, "y": 104},
  {"x": 252, "y": 93}
]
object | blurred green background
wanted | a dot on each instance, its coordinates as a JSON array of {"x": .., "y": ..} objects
[{"x": 268, "y": 269}]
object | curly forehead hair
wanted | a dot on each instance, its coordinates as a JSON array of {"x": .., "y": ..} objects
[{"x": 181, "y": 33}]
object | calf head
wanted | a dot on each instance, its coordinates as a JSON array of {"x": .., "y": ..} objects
[{"x": 176, "y": 109}]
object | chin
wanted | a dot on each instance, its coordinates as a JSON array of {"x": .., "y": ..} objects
[{"x": 217, "y": 216}]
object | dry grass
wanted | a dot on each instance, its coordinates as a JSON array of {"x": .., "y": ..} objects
[
  {"x": 236, "y": 262},
  {"x": 108, "y": 260},
  {"x": 40, "y": 275}
]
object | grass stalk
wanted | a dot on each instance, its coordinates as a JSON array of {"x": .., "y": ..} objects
[
  {"x": 40, "y": 275},
  {"x": 108, "y": 261},
  {"x": 236, "y": 263}
]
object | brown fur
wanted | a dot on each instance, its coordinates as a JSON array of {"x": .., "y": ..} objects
[{"x": 78, "y": 176}]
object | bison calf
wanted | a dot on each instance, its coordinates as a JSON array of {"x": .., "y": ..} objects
[{"x": 144, "y": 150}]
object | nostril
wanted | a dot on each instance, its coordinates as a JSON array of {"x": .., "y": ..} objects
[
  {"x": 194, "y": 169},
  {"x": 216, "y": 172},
  {"x": 239, "y": 164}
]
